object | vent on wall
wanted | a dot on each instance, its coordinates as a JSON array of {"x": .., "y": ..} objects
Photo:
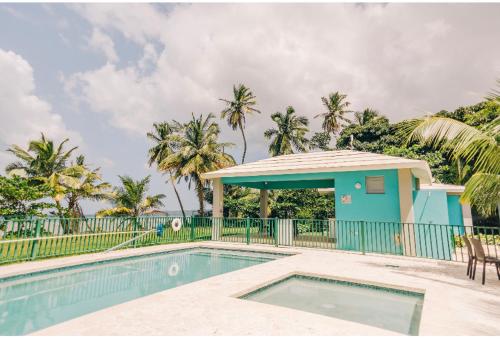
[{"x": 375, "y": 185}]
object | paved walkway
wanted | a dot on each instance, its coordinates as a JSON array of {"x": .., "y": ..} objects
[{"x": 454, "y": 305}]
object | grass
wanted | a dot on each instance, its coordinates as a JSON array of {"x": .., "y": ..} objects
[{"x": 29, "y": 249}]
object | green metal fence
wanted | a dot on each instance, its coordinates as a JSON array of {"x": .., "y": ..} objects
[
  {"x": 30, "y": 239},
  {"x": 417, "y": 240}
]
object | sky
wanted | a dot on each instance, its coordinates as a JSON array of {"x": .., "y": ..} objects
[{"x": 102, "y": 74}]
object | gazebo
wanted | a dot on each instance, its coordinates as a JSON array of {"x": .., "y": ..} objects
[{"x": 368, "y": 186}]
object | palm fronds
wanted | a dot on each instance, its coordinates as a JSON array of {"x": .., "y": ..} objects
[
  {"x": 289, "y": 134},
  {"x": 237, "y": 109}
]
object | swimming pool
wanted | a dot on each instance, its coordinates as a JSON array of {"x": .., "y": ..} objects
[
  {"x": 34, "y": 301},
  {"x": 389, "y": 308}
]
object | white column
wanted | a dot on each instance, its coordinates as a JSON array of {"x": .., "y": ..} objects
[
  {"x": 406, "y": 210},
  {"x": 264, "y": 197},
  {"x": 217, "y": 208},
  {"x": 285, "y": 232},
  {"x": 467, "y": 217}
]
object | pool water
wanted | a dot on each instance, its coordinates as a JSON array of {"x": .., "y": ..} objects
[
  {"x": 32, "y": 302},
  {"x": 387, "y": 308}
]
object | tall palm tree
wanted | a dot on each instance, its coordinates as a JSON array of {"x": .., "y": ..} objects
[
  {"x": 476, "y": 148},
  {"x": 44, "y": 163},
  {"x": 289, "y": 134},
  {"x": 199, "y": 152},
  {"x": 131, "y": 198},
  {"x": 365, "y": 116},
  {"x": 237, "y": 109},
  {"x": 165, "y": 145},
  {"x": 90, "y": 186},
  {"x": 336, "y": 108}
]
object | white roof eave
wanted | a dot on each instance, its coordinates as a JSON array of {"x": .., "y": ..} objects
[{"x": 419, "y": 168}]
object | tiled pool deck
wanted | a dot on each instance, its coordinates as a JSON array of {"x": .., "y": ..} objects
[{"x": 454, "y": 305}]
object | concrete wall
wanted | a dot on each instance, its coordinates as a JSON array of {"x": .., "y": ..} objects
[
  {"x": 364, "y": 206},
  {"x": 432, "y": 233},
  {"x": 455, "y": 210},
  {"x": 378, "y": 237},
  {"x": 430, "y": 207}
]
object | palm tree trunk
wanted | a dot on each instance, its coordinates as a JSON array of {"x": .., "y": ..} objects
[
  {"x": 244, "y": 143},
  {"x": 199, "y": 191},
  {"x": 62, "y": 222},
  {"x": 177, "y": 194}
]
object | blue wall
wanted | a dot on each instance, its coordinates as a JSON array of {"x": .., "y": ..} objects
[
  {"x": 432, "y": 233},
  {"x": 378, "y": 237},
  {"x": 430, "y": 207},
  {"x": 374, "y": 207},
  {"x": 455, "y": 210}
]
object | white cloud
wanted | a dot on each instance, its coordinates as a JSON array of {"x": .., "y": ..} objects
[
  {"x": 136, "y": 22},
  {"x": 101, "y": 42},
  {"x": 23, "y": 115},
  {"x": 403, "y": 60}
]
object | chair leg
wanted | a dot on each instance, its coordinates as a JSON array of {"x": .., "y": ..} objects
[
  {"x": 484, "y": 271},
  {"x": 498, "y": 270},
  {"x": 474, "y": 265},
  {"x": 468, "y": 268}
]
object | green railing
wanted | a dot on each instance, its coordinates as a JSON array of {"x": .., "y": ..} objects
[
  {"x": 417, "y": 240},
  {"x": 31, "y": 239}
]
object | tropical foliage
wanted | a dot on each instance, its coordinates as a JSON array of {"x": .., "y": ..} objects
[
  {"x": 237, "y": 109},
  {"x": 239, "y": 202},
  {"x": 302, "y": 204},
  {"x": 290, "y": 133},
  {"x": 199, "y": 152},
  {"x": 131, "y": 198},
  {"x": 89, "y": 186},
  {"x": 164, "y": 146},
  {"x": 478, "y": 148},
  {"x": 320, "y": 141},
  {"x": 461, "y": 147},
  {"x": 44, "y": 163},
  {"x": 20, "y": 198},
  {"x": 336, "y": 109}
]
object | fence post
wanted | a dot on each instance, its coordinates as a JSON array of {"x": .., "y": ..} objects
[
  {"x": 248, "y": 230},
  {"x": 135, "y": 231},
  {"x": 34, "y": 249},
  {"x": 363, "y": 236},
  {"x": 192, "y": 228},
  {"x": 275, "y": 232}
]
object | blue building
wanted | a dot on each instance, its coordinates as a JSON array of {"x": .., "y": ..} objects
[{"x": 371, "y": 191}]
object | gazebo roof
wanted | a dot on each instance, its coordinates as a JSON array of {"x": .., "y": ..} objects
[{"x": 320, "y": 162}]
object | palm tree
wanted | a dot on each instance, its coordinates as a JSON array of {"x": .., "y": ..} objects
[
  {"x": 336, "y": 109},
  {"x": 290, "y": 133},
  {"x": 237, "y": 109},
  {"x": 476, "y": 148},
  {"x": 164, "y": 146},
  {"x": 89, "y": 186},
  {"x": 44, "y": 163},
  {"x": 367, "y": 115},
  {"x": 199, "y": 152},
  {"x": 131, "y": 199}
]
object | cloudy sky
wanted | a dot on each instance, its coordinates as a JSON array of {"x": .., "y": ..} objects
[{"x": 101, "y": 74}]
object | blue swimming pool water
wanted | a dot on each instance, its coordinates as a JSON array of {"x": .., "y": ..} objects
[
  {"x": 388, "y": 308},
  {"x": 32, "y": 302}
]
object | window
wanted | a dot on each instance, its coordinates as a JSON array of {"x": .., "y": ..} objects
[
  {"x": 375, "y": 185},
  {"x": 417, "y": 184}
]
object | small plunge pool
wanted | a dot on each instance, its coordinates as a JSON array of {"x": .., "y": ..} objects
[{"x": 388, "y": 308}]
